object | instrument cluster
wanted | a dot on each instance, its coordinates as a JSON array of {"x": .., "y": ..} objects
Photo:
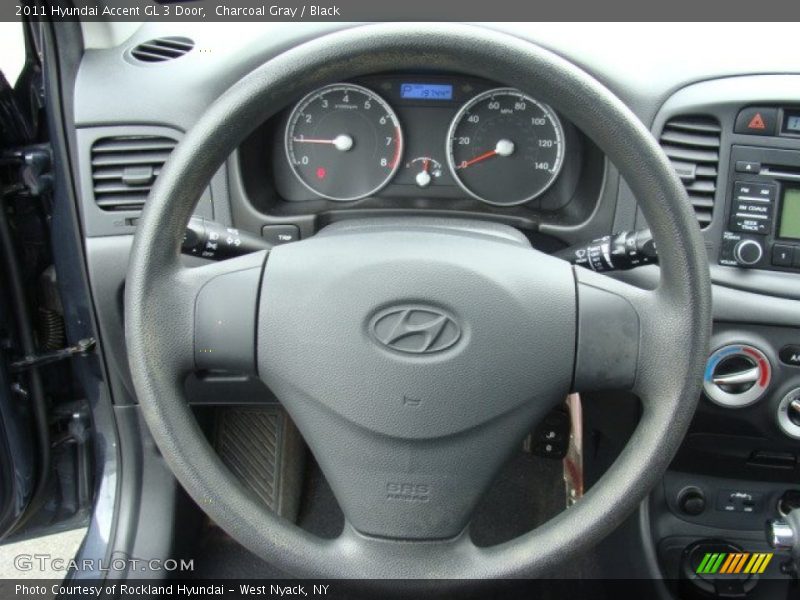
[{"x": 419, "y": 135}]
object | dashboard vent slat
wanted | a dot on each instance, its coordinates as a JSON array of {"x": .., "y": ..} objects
[
  {"x": 121, "y": 203},
  {"x": 129, "y": 158},
  {"x": 162, "y": 49},
  {"x": 125, "y": 168},
  {"x": 692, "y": 144},
  {"x": 703, "y": 186},
  {"x": 700, "y": 202},
  {"x": 695, "y": 155},
  {"x": 134, "y": 144},
  {"x": 704, "y": 124},
  {"x": 691, "y": 140}
]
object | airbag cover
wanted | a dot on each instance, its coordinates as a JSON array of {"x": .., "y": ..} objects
[{"x": 414, "y": 333}]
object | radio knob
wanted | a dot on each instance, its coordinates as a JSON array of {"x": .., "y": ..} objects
[{"x": 748, "y": 252}]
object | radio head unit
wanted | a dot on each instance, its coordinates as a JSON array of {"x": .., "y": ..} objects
[{"x": 762, "y": 226}]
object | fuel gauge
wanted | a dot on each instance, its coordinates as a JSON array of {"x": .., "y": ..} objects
[{"x": 426, "y": 168}]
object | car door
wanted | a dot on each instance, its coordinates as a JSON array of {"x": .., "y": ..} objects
[{"x": 44, "y": 459}]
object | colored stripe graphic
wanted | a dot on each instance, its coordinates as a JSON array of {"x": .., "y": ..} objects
[
  {"x": 734, "y": 563},
  {"x": 702, "y": 567},
  {"x": 759, "y": 563},
  {"x": 753, "y": 564},
  {"x": 740, "y": 562},
  {"x": 729, "y": 562}
]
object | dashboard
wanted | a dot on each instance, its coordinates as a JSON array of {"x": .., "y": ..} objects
[{"x": 444, "y": 144}]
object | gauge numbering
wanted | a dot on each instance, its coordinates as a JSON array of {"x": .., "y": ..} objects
[
  {"x": 504, "y": 147},
  {"x": 343, "y": 142}
]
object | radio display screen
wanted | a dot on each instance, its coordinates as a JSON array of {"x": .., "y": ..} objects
[
  {"x": 791, "y": 122},
  {"x": 790, "y": 214}
]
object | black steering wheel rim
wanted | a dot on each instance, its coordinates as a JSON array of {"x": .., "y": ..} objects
[{"x": 679, "y": 311}]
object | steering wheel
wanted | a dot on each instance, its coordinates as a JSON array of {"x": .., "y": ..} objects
[{"x": 415, "y": 355}]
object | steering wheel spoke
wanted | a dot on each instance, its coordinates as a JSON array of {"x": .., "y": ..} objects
[
  {"x": 207, "y": 315},
  {"x": 625, "y": 333},
  {"x": 610, "y": 333},
  {"x": 414, "y": 559},
  {"x": 225, "y": 311}
]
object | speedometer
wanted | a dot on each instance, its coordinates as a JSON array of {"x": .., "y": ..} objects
[
  {"x": 504, "y": 147},
  {"x": 343, "y": 142}
]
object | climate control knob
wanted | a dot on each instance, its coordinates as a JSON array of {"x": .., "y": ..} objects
[
  {"x": 789, "y": 414},
  {"x": 748, "y": 252},
  {"x": 736, "y": 375}
]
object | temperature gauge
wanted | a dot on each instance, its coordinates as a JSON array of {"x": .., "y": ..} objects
[{"x": 426, "y": 168}]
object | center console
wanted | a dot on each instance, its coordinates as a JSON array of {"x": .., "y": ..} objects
[{"x": 735, "y": 144}]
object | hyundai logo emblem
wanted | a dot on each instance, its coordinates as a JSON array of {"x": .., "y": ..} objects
[{"x": 415, "y": 329}]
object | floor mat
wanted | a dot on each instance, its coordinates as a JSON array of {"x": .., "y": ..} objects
[{"x": 262, "y": 448}]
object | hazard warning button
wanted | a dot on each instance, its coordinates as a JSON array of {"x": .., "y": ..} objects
[{"x": 757, "y": 121}]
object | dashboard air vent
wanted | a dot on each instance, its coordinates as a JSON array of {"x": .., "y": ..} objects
[
  {"x": 692, "y": 145},
  {"x": 162, "y": 49},
  {"x": 124, "y": 169}
]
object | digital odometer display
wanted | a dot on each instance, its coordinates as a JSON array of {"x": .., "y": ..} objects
[
  {"x": 504, "y": 147},
  {"x": 790, "y": 214},
  {"x": 344, "y": 142},
  {"x": 426, "y": 91}
]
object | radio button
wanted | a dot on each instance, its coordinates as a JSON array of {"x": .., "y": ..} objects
[
  {"x": 748, "y": 223},
  {"x": 754, "y": 208},
  {"x": 749, "y": 226},
  {"x": 790, "y": 355},
  {"x": 782, "y": 255},
  {"x": 747, "y": 166},
  {"x": 754, "y": 192}
]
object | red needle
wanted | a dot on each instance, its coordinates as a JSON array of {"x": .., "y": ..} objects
[
  {"x": 425, "y": 164},
  {"x": 483, "y": 156}
]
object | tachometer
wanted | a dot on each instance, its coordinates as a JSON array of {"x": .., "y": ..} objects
[
  {"x": 504, "y": 147},
  {"x": 344, "y": 142}
]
